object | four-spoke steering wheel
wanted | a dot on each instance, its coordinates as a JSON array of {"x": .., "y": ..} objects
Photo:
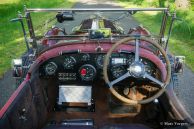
[{"x": 137, "y": 70}]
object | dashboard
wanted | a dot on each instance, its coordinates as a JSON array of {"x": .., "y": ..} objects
[{"x": 87, "y": 67}]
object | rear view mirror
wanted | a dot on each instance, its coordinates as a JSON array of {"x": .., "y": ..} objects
[
  {"x": 179, "y": 64},
  {"x": 64, "y": 16}
]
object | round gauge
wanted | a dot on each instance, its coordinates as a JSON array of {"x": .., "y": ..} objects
[
  {"x": 118, "y": 71},
  {"x": 69, "y": 62},
  {"x": 50, "y": 68},
  {"x": 87, "y": 72},
  {"x": 148, "y": 68},
  {"x": 130, "y": 59},
  {"x": 85, "y": 57},
  {"x": 100, "y": 61},
  {"x": 147, "y": 65}
]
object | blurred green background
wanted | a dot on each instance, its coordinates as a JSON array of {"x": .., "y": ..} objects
[{"x": 11, "y": 36}]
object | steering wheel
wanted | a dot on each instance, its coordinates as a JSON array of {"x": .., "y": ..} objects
[{"x": 137, "y": 70}]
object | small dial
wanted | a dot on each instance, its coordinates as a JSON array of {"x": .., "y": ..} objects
[
  {"x": 118, "y": 71},
  {"x": 69, "y": 62},
  {"x": 149, "y": 67},
  {"x": 50, "y": 68},
  {"x": 87, "y": 72},
  {"x": 85, "y": 57},
  {"x": 100, "y": 61},
  {"x": 131, "y": 59}
]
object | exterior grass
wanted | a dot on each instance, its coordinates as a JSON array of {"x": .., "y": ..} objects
[
  {"x": 182, "y": 39},
  {"x": 11, "y": 37},
  {"x": 180, "y": 43}
]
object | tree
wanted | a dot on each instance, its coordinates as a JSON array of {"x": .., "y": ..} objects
[{"x": 161, "y": 3}]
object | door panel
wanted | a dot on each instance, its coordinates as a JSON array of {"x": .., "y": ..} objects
[
  {"x": 22, "y": 112},
  {"x": 40, "y": 101},
  {"x": 4, "y": 122}
]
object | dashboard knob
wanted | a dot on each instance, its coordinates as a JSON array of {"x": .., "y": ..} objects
[{"x": 83, "y": 72}]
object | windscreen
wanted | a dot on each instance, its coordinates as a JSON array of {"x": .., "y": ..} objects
[{"x": 121, "y": 22}]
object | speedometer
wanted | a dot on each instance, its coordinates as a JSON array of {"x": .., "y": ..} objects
[
  {"x": 87, "y": 72},
  {"x": 69, "y": 62},
  {"x": 50, "y": 68}
]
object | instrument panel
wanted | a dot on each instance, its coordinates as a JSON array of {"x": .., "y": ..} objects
[{"x": 87, "y": 67}]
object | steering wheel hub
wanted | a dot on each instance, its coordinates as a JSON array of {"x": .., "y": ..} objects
[{"x": 137, "y": 69}]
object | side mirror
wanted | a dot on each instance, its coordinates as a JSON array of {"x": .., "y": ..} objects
[
  {"x": 179, "y": 64},
  {"x": 64, "y": 16}
]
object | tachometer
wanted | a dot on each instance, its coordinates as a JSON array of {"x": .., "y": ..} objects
[
  {"x": 87, "y": 72},
  {"x": 118, "y": 70},
  {"x": 50, "y": 68},
  {"x": 69, "y": 62}
]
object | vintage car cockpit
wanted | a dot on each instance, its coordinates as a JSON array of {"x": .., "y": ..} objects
[{"x": 93, "y": 68}]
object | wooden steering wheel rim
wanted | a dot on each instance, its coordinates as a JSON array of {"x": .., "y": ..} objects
[{"x": 127, "y": 100}]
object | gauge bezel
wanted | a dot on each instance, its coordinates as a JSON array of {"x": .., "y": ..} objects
[
  {"x": 46, "y": 68},
  {"x": 73, "y": 59},
  {"x": 98, "y": 59},
  {"x": 87, "y": 57},
  {"x": 130, "y": 59},
  {"x": 87, "y": 79}
]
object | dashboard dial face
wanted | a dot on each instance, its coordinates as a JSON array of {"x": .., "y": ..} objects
[
  {"x": 85, "y": 57},
  {"x": 130, "y": 59},
  {"x": 87, "y": 72},
  {"x": 100, "y": 61},
  {"x": 69, "y": 62},
  {"x": 148, "y": 67},
  {"x": 50, "y": 68},
  {"x": 118, "y": 71}
]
